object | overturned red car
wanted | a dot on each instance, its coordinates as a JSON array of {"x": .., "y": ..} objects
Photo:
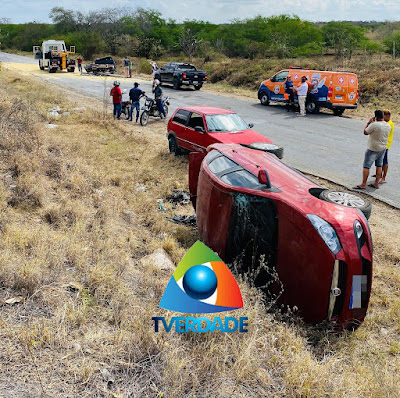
[
  {"x": 195, "y": 128},
  {"x": 250, "y": 205}
]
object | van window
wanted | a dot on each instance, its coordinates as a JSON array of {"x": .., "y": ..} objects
[
  {"x": 196, "y": 120},
  {"x": 221, "y": 164},
  {"x": 243, "y": 179},
  {"x": 181, "y": 117},
  {"x": 280, "y": 77}
]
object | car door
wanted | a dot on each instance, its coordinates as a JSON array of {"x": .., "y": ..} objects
[
  {"x": 197, "y": 140},
  {"x": 276, "y": 86},
  {"x": 164, "y": 73},
  {"x": 178, "y": 127}
]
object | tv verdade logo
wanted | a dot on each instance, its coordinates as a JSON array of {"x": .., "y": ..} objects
[{"x": 201, "y": 283}]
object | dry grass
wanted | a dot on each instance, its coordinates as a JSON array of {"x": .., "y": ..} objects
[{"x": 73, "y": 230}]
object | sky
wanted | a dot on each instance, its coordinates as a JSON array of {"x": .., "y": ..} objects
[{"x": 217, "y": 11}]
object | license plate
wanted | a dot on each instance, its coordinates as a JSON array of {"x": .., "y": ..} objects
[
  {"x": 358, "y": 289},
  {"x": 195, "y": 82},
  {"x": 338, "y": 97}
]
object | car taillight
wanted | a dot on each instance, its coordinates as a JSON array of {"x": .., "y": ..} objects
[
  {"x": 205, "y": 77},
  {"x": 358, "y": 91},
  {"x": 330, "y": 92},
  {"x": 184, "y": 76}
]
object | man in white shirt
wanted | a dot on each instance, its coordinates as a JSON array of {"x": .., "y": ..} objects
[
  {"x": 378, "y": 131},
  {"x": 302, "y": 95}
]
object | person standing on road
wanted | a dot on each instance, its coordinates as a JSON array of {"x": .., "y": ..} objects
[
  {"x": 79, "y": 60},
  {"x": 302, "y": 90},
  {"x": 154, "y": 69},
  {"x": 378, "y": 131},
  {"x": 135, "y": 94},
  {"x": 117, "y": 98},
  {"x": 386, "y": 116},
  {"x": 126, "y": 66},
  {"x": 289, "y": 92},
  {"x": 158, "y": 93}
]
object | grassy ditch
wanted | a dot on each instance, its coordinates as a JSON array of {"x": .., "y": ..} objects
[{"x": 79, "y": 215}]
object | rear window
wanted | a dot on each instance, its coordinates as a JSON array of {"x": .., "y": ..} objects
[
  {"x": 242, "y": 178},
  {"x": 220, "y": 164},
  {"x": 181, "y": 117},
  {"x": 187, "y": 67}
]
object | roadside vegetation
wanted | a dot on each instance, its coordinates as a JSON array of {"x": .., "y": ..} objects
[{"x": 79, "y": 218}]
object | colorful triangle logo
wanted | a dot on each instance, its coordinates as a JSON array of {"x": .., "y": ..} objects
[{"x": 201, "y": 283}]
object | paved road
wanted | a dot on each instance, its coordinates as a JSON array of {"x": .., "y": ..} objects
[{"x": 323, "y": 145}]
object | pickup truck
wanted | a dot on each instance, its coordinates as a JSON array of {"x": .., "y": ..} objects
[
  {"x": 180, "y": 73},
  {"x": 101, "y": 65}
]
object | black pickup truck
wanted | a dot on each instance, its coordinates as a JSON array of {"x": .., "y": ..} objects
[
  {"x": 180, "y": 73},
  {"x": 101, "y": 65}
]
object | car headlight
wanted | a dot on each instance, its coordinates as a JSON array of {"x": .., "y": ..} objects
[
  {"x": 326, "y": 232},
  {"x": 359, "y": 233},
  {"x": 263, "y": 146}
]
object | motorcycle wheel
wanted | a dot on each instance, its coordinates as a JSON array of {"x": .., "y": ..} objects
[
  {"x": 126, "y": 112},
  {"x": 144, "y": 118}
]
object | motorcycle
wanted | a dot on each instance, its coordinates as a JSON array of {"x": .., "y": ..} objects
[
  {"x": 150, "y": 109},
  {"x": 125, "y": 105}
]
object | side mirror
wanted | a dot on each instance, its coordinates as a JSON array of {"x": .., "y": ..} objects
[
  {"x": 263, "y": 178},
  {"x": 199, "y": 129},
  {"x": 251, "y": 125}
]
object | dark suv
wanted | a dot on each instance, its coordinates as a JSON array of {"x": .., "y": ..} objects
[{"x": 101, "y": 65}]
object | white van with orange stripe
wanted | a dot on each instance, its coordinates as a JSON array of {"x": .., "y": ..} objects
[{"x": 333, "y": 90}]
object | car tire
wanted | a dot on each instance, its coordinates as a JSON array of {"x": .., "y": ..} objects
[
  {"x": 173, "y": 146},
  {"x": 71, "y": 70},
  {"x": 347, "y": 199},
  {"x": 312, "y": 107},
  {"x": 177, "y": 86},
  {"x": 144, "y": 118},
  {"x": 198, "y": 87},
  {"x": 264, "y": 99},
  {"x": 338, "y": 112}
]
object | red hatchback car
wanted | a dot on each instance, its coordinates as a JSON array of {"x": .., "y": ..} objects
[
  {"x": 195, "y": 128},
  {"x": 318, "y": 242}
]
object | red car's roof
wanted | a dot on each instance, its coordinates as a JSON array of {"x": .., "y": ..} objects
[{"x": 206, "y": 110}]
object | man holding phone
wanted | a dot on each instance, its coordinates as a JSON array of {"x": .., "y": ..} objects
[{"x": 378, "y": 132}]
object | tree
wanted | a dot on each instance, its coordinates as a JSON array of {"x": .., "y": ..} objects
[
  {"x": 388, "y": 42},
  {"x": 343, "y": 37},
  {"x": 188, "y": 42}
]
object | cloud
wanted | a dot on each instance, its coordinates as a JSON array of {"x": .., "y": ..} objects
[{"x": 218, "y": 11}]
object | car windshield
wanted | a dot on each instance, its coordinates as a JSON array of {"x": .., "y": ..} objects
[{"x": 227, "y": 123}]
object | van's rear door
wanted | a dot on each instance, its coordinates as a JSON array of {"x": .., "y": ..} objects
[
  {"x": 339, "y": 85},
  {"x": 352, "y": 89}
]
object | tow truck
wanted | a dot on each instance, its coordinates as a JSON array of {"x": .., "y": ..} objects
[{"x": 53, "y": 55}]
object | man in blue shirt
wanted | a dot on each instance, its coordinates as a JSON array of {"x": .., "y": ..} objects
[
  {"x": 289, "y": 92},
  {"x": 157, "y": 96},
  {"x": 135, "y": 94}
]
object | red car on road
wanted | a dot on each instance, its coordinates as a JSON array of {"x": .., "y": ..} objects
[
  {"x": 318, "y": 243},
  {"x": 195, "y": 128}
]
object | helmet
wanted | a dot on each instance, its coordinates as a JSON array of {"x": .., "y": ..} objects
[
  {"x": 116, "y": 83},
  {"x": 156, "y": 82}
]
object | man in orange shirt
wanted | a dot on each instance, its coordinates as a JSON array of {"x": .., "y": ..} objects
[{"x": 117, "y": 98}]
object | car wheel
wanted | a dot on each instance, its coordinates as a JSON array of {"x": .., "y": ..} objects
[
  {"x": 264, "y": 99},
  {"x": 347, "y": 199},
  {"x": 173, "y": 146},
  {"x": 144, "y": 118},
  {"x": 338, "y": 112},
  {"x": 312, "y": 107},
  {"x": 198, "y": 87},
  {"x": 176, "y": 84}
]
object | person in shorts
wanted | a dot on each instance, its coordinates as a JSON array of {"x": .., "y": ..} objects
[
  {"x": 378, "y": 132},
  {"x": 386, "y": 115}
]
